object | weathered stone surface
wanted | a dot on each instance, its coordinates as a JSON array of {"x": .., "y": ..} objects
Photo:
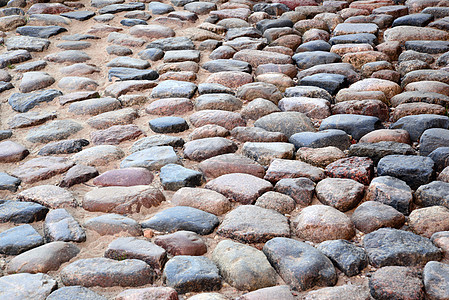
[
  {"x": 346, "y": 256},
  {"x": 182, "y": 218},
  {"x": 107, "y": 272},
  {"x": 191, "y": 274},
  {"x": 48, "y": 257},
  {"x": 21, "y": 212},
  {"x": 42, "y": 168},
  {"x": 414, "y": 170},
  {"x": 68, "y": 292},
  {"x": 12, "y": 152},
  {"x": 392, "y": 247},
  {"x": 152, "y": 158},
  {"x": 244, "y": 267},
  {"x": 38, "y": 286},
  {"x": 208, "y": 147},
  {"x": 163, "y": 293},
  {"x": 299, "y": 264},
  {"x": 122, "y": 199},
  {"x": 48, "y": 195},
  {"x": 318, "y": 223},
  {"x": 98, "y": 155},
  {"x": 372, "y": 215},
  {"x": 19, "y": 239},
  {"x": 112, "y": 224},
  {"x": 182, "y": 243},
  {"x": 391, "y": 191},
  {"x": 253, "y": 224},
  {"x": 399, "y": 282},
  {"x": 435, "y": 278},
  {"x": 284, "y": 168},
  {"x": 429, "y": 220},
  {"x": 230, "y": 163},
  {"x": 134, "y": 248},
  {"x": 343, "y": 194},
  {"x": 59, "y": 225},
  {"x": 434, "y": 193}
]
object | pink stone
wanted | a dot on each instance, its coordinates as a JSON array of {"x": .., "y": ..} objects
[
  {"x": 230, "y": 163},
  {"x": 182, "y": 243},
  {"x": 124, "y": 177}
]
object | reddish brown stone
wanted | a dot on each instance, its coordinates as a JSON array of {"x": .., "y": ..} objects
[
  {"x": 203, "y": 199},
  {"x": 287, "y": 69},
  {"x": 360, "y": 169},
  {"x": 396, "y": 283},
  {"x": 210, "y": 130},
  {"x": 387, "y": 135},
  {"x": 78, "y": 174},
  {"x": 428, "y": 220},
  {"x": 122, "y": 200},
  {"x": 124, "y": 177},
  {"x": 392, "y": 49},
  {"x": 319, "y": 157},
  {"x": 417, "y": 108},
  {"x": 240, "y": 13},
  {"x": 230, "y": 79},
  {"x": 372, "y": 215},
  {"x": 169, "y": 106},
  {"x": 116, "y": 134},
  {"x": 256, "y": 134},
  {"x": 374, "y": 108},
  {"x": 12, "y": 152},
  {"x": 180, "y": 76},
  {"x": 226, "y": 119},
  {"x": 370, "y": 5},
  {"x": 257, "y": 57},
  {"x": 182, "y": 243},
  {"x": 48, "y": 8},
  {"x": 239, "y": 187},
  {"x": 292, "y": 4},
  {"x": 230, "y": 163},
  {"x": 291, "y": 41},
  {"x": 208, "y": 147},
  {"x": 279, "y": 49}
]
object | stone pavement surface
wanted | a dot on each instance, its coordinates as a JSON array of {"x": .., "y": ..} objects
[{"x": 224, "y": 149}]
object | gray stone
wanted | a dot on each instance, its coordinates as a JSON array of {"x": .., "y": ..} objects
[
  {"x": 30, "y": 119},
  {"x": 23, "y": 102},
  {"x": 40, "y": 31},
  {"x": 355, "y": 125},
  {"x": 432, "y": 139},
  {"x": 288, "y": 123},
  {"x": 173, "y": 177},
  {"x": 116, "y": 8},
  {"x": 112, "y": 224},
  {"x": 19, "y": 239},
  {"x": 64, "y": 147},
  {"x": 342, "y": 193},
  {"x": 28, "y": 43},
  {"x": 393, "y": 247},
  {"x": 417, "y": 124},
  {"x": 347, "y": 257},
  {"x": 128, "y": 62},
  {"x": 59, "y": 225},
  {"x": 168, "y": 125},
  {"x": 243, "y": 266},
  {"x": 191, "y": 274},
  {"x": 414, "y": 170},
  {"x": 436, "y": 280},
  {"x": 434, "y": 193},
  {"x": 131, "y": 74},
  {"x": 300, "y": 265},
  {"x": 253, "y": 224},
  {"x": 55, "y": 130},
  {"x": 21, "y": 212},
  {"x": 377, "y": 151},
  {"x": 372, "y": 215},
  {"x": 94, "y": 106},
  {"x": 98, "y": 155},
  {"x": 391, "y": 191},
  {"x": 152, "y": 158},
  {"x": 324, "y": 138},
  {"x": 157, "y": 140},
  {"x": 174, "y": 89},
  {"x": 182, "y": 218},
  {"x": 74, "y": 293},
  {"x": 27, "y": 286}
]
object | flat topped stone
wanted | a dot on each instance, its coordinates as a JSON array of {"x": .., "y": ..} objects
[
  {"x": 353, "y": 28},
  {"x": 21, "y": 212},
  {"x": 288, "y": 123},
  {"x": 135, "y": 248},
  {"x": 131, "y": 73},
  {"x": 42, "y": 168},
  {"x": 230, "y": 163},
  {"x": 393, "y": 247},
  {"x": 107, "y": 272},
  {"x": 30, "y": 119},
  {"x": 258, "y": 57},
  {"x": 115, "y": 199},
  {"x": 318, "y": 223},
  {"x": 28, "y": 43},
  {"x": 59, "y": 225},
  {"x": 79, "y": 15},
  {"x": 116, "y": 8},
  {"x": 253, "y": 224},
  {"x": 355, "y": 125},
  {"x": 182, "y": 218},
  {"x": 128, "y": 62},
  {"x": 372, "y": 215},
  {"x": 94, "y": 106},
  {"x": 68, "y": 292},
  {"x": 323, "y": 138},
  {"x": 243, "y": 266},
  {"x": 19, "y": 239},
  {"x": 12, "y": 152},
  {"x": 182, "y": 243},
  {"x": 112, "y": 224},
  {"x": 23, "y": 102},
  {"x": 203, "y": 199},
  {"x": 98, "y": 155},
  {"x": 174, "y": 89},
  {"x": 410, "y": 33},
  {"x": 414, "y": 170},
  {"x": 168, "y": 125},
  {"x": 157, "y": 140},
  {"x": 191, "y": 274},
  {"x": 239, "y": 187},
  {"x": 53, "y": 131},
  {"x": 285, "y": 168},
  {"x": 48, "y": 195},
  {"x": 124, "y": 177},
  {"x": 208, "y": 147},
  {"x": 172, "y": 43},
  {"x": 42, "y": 259},
  {"x": 226, "y": 119},
  {"x": 415, "y": 125},
  {"x": 152, "y": 158},
  {"x": 27, "y": 286},
  {"x": 300, "y": 265}
]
